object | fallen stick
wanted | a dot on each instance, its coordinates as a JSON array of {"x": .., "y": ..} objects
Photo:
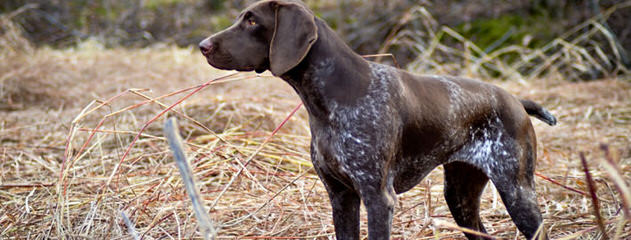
[
  {"x": 130, "y": 226},
  {"x": 175, "y": 143}
]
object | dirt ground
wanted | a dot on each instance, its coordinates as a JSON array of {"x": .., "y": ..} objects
[{"x": 68, "y": 118}]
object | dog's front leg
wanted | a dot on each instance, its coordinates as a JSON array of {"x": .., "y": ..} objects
[
  {"x": 344, "y": 199},
  {"x": 379, "y": 201},
  {"x": 345, "y": 203}
]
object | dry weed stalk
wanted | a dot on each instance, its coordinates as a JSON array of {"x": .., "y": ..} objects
[{"x": 615, "y": 173}]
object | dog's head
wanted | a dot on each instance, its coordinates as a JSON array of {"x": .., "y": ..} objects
[{"x": 268, "y": 35}]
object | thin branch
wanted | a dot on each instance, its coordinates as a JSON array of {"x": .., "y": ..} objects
[{"x": 175, "y": 142}]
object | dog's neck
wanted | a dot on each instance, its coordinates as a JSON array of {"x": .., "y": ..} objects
[{"x": 330, "y": 75}]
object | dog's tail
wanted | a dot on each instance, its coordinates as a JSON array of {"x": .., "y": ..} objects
[{"x": 536, "y": 110}]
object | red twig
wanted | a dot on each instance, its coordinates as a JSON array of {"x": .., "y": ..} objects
[
  {"x": 561, "y": 184},
  {"x": 254, "y": 154},
  {"x": 592, "y": 191},
  {"x": 199, "y": 88},
  {"x": 25, "y": 185},
  {"x": 282, "y": 123},
  {"x": 154, "y": 225}
]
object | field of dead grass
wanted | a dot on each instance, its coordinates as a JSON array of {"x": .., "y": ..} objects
[{"x": 70, "y": 162}]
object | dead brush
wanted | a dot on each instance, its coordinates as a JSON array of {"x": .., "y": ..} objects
[
  {"x": 13, "y": 47},
  {"x": 12, "y": 40},
  {"x": 276, "y": 195},
  {"x": 69, "y": 171},
  {"x": 220, "y": 145},
  {"x": 578, "y": 54},
  {"x": 253, "y": 182}
]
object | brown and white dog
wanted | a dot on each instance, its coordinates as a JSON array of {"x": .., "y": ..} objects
[{"x": 378, "y": 131}]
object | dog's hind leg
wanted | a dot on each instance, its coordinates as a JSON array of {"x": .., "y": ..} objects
[
  {"x": 518, "y": 195},
  {"x": 463, "y": 187},
  {"x": 513, "y": 177},
  {"x": 507, "y": 157}
]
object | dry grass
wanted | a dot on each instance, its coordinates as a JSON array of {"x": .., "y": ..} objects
[
  {"x": 588, "y": 50},
  {"x": 65, "y": 175}
]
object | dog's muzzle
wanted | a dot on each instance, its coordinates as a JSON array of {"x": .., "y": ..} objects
[{"x": 207, "y": 47}]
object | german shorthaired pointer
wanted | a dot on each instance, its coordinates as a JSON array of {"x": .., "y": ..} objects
[{"x": 378, "y": 131}]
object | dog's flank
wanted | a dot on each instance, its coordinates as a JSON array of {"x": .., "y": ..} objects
[{"x": 378, "y": 131}]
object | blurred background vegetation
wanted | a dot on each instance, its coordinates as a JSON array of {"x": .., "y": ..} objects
[{"x": 405, "y": 28}]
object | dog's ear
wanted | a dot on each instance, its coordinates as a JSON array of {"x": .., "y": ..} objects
[{"x": 294, "y": 33}]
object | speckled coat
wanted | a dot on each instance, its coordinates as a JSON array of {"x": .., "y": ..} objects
[{"x": 378, "y": 131}]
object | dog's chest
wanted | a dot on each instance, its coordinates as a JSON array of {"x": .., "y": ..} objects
[{"x": 355, "y": 139}]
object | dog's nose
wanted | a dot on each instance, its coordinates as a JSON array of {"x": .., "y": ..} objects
[{"x": 207, "y": 47}]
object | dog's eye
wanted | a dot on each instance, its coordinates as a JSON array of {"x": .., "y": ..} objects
[{"x": 251, "y": 22}]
